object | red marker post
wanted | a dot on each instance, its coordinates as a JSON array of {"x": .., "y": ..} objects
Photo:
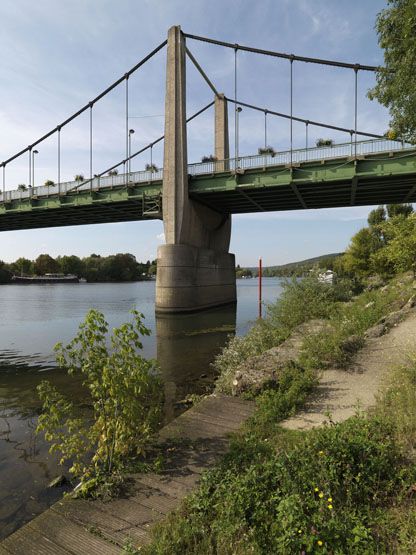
[{"x": 260, "y": 285}]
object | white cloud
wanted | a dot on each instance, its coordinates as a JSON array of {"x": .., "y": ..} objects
[{"x": 161, "y": 237}]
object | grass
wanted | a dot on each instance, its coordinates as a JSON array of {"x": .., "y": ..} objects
[
  {"x": 348, "y": 316},
  {"x": 343, "y": 488}
]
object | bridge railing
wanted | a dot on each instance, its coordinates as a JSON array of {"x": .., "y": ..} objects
[
  {"x": 295, "y": 156},
  {"x": 286, "y": 157},
  {"x": 97, "y": 183}
]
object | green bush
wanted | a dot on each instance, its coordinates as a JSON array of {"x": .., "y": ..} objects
[
  {"x": 325, "y": 494},
  {"x": 124, "y": 395},
  {"x": 301, "y": 300}
]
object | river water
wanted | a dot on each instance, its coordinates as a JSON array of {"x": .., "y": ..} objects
[{"x": 33, "y": 318}]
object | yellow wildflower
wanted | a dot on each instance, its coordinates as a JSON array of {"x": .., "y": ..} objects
[
  {"x": 321, "y": 453},
  {"x": 329, "y": 499},
  {"x": 320, "y": 542},
  {"x": 316, "y": 489},
  {"x": 299, "y": 531},
  {"x": 321, "y": 494},
  {"x": 330, "y": 507}
]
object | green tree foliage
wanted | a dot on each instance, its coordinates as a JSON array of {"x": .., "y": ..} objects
[
  {"x": 396, "y": 82},
  {"x": 71, "y": 265},
  {"x": 399, "y": 254},
  {"x": 364, "y": 244},
  {"x": 386, "y": 247},
  {"x": 394, "y": 210},
  {"x": 22, "y": 266},
  {"x": 377, "y": 216},
  {"x": 45, "y": 264},
  {"x": 125, "y": 397},
  {"x": 5, "y": 273}
]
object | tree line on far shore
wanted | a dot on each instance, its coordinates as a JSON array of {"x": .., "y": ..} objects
[{"x": 93, "y": 268}]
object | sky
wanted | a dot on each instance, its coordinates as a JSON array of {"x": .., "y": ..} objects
[{"x": 57, "y": 56}]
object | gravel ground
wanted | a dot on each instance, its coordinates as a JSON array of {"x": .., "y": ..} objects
[{"x": 341, "y": 392}]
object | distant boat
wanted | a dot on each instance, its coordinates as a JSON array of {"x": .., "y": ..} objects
[
  {"x": 326, "y": 277},
  {"x": 47, "y": 278}
]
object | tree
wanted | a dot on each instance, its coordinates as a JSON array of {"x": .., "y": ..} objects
[
  {"x": 376, "y": 216},
  {"x": 399, "y": 255},
  {"x": 5, "y": 273},
  {"x": 396, "y": 82},
  {"x": 71, "y": 265},
  {"x": 394, "y": 210},
  {"x": 357, "y": 258},
  {"x": 49, "y": 183},
  {"x": 22, "y": 266},
  {"x": 45, "y": 264}
]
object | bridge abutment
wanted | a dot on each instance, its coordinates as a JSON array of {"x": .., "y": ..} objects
[{"x": 195, "y": 270}]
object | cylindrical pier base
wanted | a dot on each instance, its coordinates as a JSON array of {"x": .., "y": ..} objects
[{"x": 191, "y": 279}]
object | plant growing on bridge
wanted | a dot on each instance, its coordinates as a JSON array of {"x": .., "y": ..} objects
[
  {"x": 79, "y": 177},
  {"x": 151, "y": 168},
  {"x": 124, "y": 396},
  {"x": 324, "y": 142},
  {"x": 210, "y": 158},
  {"x": 267, "y": 150},
  {"x": 49, "y": 183},
  {"x": 22, "y": 187},
  {"x": 111, "y": 173}
]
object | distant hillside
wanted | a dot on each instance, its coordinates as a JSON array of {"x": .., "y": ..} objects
[{"x": 299, "y": 268}]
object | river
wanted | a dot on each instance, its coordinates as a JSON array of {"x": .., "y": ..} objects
[{"x": 33, "y": 318}]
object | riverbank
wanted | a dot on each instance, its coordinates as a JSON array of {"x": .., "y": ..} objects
[
  {"x": 34, "y": 319},
  {"x": 341, "y": 487},
  {"x": 238, "y": 503},
  {"x": 190, "y": 445}
]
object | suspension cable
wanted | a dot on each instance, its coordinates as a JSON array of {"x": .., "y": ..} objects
[
  {"x": 201, "y": 71},
  {"x": 30, "y": 166},
  {"x": 265, "y": 128},
  {"x": 84, "y": 108},
  {"x": 91, "y": 106},
  {"x": 127, "y": 122},
  {"x": 283, "y": 55},
  {"x": 59, "y": 159},
  {"x": 306, "y": 138},
  {"x": 311, "y": 122},
  {"x": 291, "y": 110},
  {"x": 150, "y": 145},
  {"x": 236, "y": 107},
  {"x": 355, "y": 108}
]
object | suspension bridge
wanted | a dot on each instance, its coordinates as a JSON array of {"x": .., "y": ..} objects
[{"x": 196, "y": 200}]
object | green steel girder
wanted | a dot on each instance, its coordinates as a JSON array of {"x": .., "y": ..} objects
[
  {"x": 82, "y": 207},
  {"x": 377, "y": 179}
]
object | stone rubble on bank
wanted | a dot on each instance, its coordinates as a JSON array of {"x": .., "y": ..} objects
[{"x": 259, "y": 371}]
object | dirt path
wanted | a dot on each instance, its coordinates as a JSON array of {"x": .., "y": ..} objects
[{"x": 340, "y": 392}]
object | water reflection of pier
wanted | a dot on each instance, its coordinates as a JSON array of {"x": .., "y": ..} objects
[{"x": 184, "y": 344}]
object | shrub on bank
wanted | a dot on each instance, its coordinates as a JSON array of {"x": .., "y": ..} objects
[
  {"x": 340, "y": 489},
  {"x": 124, "y": 397},
  {"x": 300, "y": 301}
]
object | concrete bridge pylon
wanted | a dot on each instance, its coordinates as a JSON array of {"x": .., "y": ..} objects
[{"x": 195, "y": 270}]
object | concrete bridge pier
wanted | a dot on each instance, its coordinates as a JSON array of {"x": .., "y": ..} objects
[{"x": 195, "y": 270}]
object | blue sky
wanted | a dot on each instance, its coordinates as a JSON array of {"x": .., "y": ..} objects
[{"x": 56, "y": 56}]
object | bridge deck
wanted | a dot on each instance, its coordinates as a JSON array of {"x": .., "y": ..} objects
[
  {"x": 304, "y": 179},
  {"x": 191, "y": 444}
]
